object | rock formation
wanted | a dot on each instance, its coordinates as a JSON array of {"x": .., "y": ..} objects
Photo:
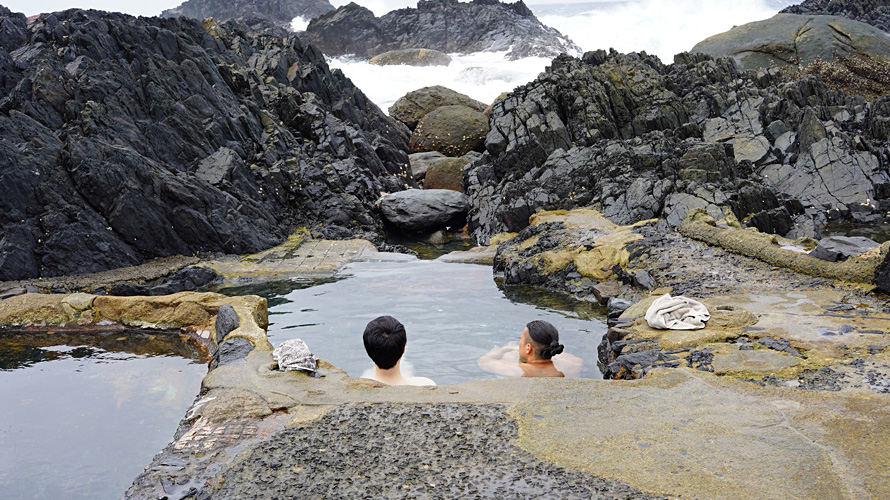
[
  {"x": 639, "y": 139},
  {"x": 419, "y": 210},
  {"x": 444, "y": 25},
  {"x": 451, "y": 130},
  {"x": 788, "y": 39},
  {"x": 414, "y": 105},
  {"x": 126, "y": 138},
  {"x": 412, "y": 57},
  {"x": 873, "y": 12},
  {"x": 279, "y": 12}
]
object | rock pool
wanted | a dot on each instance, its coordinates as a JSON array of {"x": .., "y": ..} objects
[
  {"x": 83, "y": 414},
  {"x": 453, "y": 313}
]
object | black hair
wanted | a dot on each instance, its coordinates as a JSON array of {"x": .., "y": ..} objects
[
  {"x": 545, "y": 339},
  {"x": 385, "y": 340}
]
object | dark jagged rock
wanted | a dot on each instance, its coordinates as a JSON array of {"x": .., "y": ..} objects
[
  {"x": 231, "y": 351},
  {"x": 789, "y": 39},
  {"x": 188, "y": 279},
  {"x": 418, "y": 210},
  {"x": 226, "y": 321},
  {"x": 639, "y": 139},
  {"x": 125, "y": 139},
  {"x": 444, "y": 25},
  {"x": 279, "y": 12},
  {"x": 882, "y": 275},
  {"x": 873, "y": 12},
  {"x": 835, "y": 248}
]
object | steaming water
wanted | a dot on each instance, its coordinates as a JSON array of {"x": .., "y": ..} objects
[{"x": 659, "y": 27}]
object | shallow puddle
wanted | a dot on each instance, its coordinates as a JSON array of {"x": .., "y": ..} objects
[
  {"x": 82, "y": 415},
  {"x": 453, "y": 314}
]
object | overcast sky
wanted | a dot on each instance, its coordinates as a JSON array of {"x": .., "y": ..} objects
[{"x": 154, "y": 7}]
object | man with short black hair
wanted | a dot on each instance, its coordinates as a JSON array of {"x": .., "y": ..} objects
[{"x": 385, "y": 340}]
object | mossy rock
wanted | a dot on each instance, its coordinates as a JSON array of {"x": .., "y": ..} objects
[
  {"x": 445, "y": 173},
  {"x": 795, "y": 40},
  {"x": 414, "y": 105},
  {"x": 412, "y": 57},
  {"x": 450, "y": 130}
]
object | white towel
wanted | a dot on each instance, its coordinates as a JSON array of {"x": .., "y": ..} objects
[
  {"x": 294, "y": 354},
  {"x": 677, "y": 313}
]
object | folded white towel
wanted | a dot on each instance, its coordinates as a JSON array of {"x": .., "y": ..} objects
[{"x": 677, "y": 313}]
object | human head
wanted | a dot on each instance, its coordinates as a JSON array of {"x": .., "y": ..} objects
[
  {"x": 543, "y": 338},
  {"x": 385, "y": 340}
]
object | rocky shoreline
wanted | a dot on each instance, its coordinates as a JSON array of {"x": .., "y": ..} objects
[{"x": 150, "y": 160}]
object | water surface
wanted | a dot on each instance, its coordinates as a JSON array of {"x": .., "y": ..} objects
[
  {"x": 82, "y": 415},
  {"x": 453, "y": 314}
]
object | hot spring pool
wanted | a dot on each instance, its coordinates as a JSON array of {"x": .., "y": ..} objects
[
  {"x": 83, "y": 414},
  {"x": 453, "y": 313}
]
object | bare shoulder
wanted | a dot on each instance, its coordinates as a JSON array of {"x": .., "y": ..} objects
[
  {"x": 420, "y": 381},
  {"x": 568, "y": 364}
]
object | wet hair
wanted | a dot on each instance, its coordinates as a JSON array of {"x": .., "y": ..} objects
[
  {"x": 545, "y": 339},
  {"x": 385, "y": 340}
]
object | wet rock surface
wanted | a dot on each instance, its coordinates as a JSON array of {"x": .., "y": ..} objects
[
  {"x": 788, "y": 39},
  {"x": 444, "y": 25},
  {"x": 639, "y": 139},
  {"x": 211, "y": 140},
  {"x": 408, "y": 451},
  {"x": 280, "y": 12},
  {"x": 873, "y": 12}
]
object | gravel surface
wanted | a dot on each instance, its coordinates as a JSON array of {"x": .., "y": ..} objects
[{"x": 408, "y": 451}]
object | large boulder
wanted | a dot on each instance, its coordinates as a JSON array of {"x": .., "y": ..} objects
[
  {"x": 445, "y": 25},
  {"x": 640, "y": 140},
  {"x": 411, "y": 57},
  {"x": 280, "y": 12},
  {"x": 422, "y": 210},
  {"x": 795, "y": 40},
  {"x": 873, "y": 12},
  {"x": 414, "y": 105},
  {"x": 445, "y": 173},
  {"x": 209, "y": 140},
  {"x": 450, "y": 130}
]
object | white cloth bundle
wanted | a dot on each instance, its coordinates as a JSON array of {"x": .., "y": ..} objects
[
  {"x": 294, "y": 354},
  {"x": 677, "y": 313}
]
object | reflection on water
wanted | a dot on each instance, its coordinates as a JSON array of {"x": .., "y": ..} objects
[
  {"x": 83, "y": 414},
  {"x": 429, "y": 249},
  {"x": 453, "y": 313},
  {"x": 877, "y": 232}
]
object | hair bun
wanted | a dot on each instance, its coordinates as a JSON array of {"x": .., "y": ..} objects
[{"x": 556, "y": 348}]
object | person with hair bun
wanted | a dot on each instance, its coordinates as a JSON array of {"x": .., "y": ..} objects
[{"x": 538, "y": 343}]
